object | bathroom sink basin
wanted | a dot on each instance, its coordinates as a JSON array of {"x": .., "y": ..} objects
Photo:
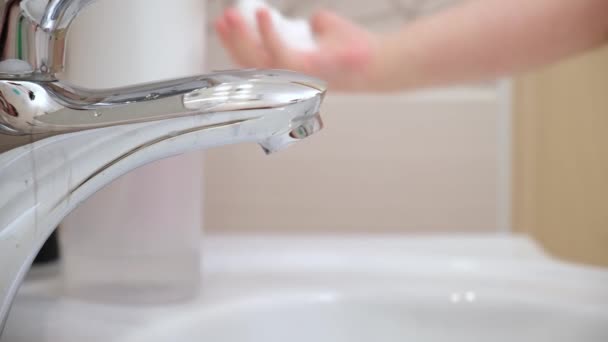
[
  {"x": 359, "y": 289},
  {"x": 388, "y": 317}
]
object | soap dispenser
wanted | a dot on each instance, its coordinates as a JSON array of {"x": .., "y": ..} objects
[{"x": 137, "y": 241}]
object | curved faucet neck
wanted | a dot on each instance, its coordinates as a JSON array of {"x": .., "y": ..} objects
[
  {"x": 33, "y": 35},
  {"x": 60, "y": 13}
]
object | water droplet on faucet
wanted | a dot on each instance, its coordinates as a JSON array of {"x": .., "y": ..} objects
[{"x": 152, "y": 96}]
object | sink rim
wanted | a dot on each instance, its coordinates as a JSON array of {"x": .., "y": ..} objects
[
  {"x": 237, "y": 268},
  {"x": 276, "y": 305}
]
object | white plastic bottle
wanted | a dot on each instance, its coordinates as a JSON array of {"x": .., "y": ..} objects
[{"x": 137, "y": 240}]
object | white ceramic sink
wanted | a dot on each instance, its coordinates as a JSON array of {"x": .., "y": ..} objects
[{"x": 359, "y": 289}]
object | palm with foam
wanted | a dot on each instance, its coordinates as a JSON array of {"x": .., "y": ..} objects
[{"x": 329, "y": 47}]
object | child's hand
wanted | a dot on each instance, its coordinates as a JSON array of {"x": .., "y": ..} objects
[{"x": 344, "y": 57}]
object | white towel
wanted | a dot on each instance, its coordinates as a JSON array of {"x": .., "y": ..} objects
[{"x": 295, "y": 33}]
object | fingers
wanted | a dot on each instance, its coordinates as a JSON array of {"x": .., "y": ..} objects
[
  {"x": 266, "y": 51},
  {"x": 324, "y": 21},
  {"x": 240, "y": 42},
  {"x": 355, "y": 56},
  {"x": 223, "y": 31},
  {"x": 321, "y": 22},
  {"x": 280, "y": 55}
]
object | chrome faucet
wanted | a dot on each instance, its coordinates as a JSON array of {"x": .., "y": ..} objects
[{"x": 60, "y": 143}]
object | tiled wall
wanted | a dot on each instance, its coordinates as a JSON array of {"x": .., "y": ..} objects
[{"x": 416, "y": 163}]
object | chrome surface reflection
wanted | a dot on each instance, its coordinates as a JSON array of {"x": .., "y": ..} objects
[
  {"x": 60, "y": 143},
  {"x": 54, "y": 107}
]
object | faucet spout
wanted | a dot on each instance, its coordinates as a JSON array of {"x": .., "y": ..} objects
[
  {"x": 60, "y": 143},
  {"x": 53, "y": 107}
]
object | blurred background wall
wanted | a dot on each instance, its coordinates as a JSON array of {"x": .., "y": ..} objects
[
  {"x": 437, "y": 161},
  {"x": 434, "y": 161},
  {"x": 561, "y": 157}
]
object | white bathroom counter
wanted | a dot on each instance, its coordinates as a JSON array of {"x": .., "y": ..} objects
[{"x": 247, "y": 271}]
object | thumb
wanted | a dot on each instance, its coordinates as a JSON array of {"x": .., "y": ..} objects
[{"x": 324, "y": 21}]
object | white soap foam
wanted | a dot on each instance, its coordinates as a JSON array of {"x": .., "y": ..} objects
[{"x": 294, "y": 32}]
